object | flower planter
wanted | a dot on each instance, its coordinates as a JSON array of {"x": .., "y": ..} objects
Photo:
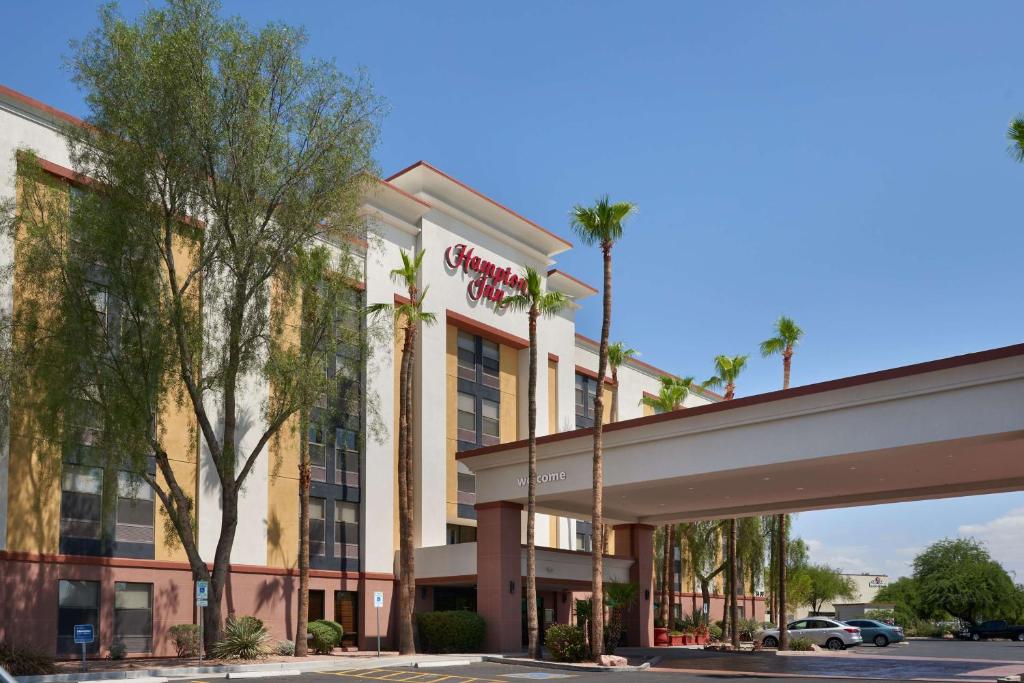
[
  {"x": 689, "y": 639},
  {"x": 677, "y": 640},
  {"x": 700, "y": 639},
  {"x": 660, "y": 636}
]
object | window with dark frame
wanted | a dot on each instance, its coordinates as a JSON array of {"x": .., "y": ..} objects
[
  {"x": 78, "y": 602},
  {"x": 317, "y": 525},
  {"x": 586, "y": 391},
  {"x": 478, "y": 405},
  {"x": 133, "y": 615}
]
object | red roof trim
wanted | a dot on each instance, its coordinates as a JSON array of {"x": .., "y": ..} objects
[
  {"x": 746, "y": 401},
  {"x": 65, "y": 173},
  {"x": 574, "y": 279},
  {"x": 552, "y": 357},
  {"x": 580, "y": 370},
  {"x": 40, "y": 106},
  {"x": 402, "y": 192},
  {"x": 466, "y": 323},
  {"x": 478, "y": 194}
]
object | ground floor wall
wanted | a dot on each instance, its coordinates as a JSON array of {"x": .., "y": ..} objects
[
  {"x": 750, "y": 607},
  {"x": 30, "y": 609}
]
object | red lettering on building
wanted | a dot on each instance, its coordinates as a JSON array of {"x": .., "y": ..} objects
[{"x": 488, "y": 278}]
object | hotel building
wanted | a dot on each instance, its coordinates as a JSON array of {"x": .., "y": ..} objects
[{"x": 71, "y": 555}]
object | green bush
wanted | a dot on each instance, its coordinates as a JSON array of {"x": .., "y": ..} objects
[
  {"x": 454, "y": 631},
  {"x": 715, "y": 632},
  {"x": 244, "y": 638},
  {"x": 285, "y": 648},
  {"x": 567, "y": 643},
  {"x": 25, "y": 660},
  {"x": 118, "y": 650},
  {"x": 801, "y": 644},
  {"x": 186, "y": 639},
  {"x": 748, "y": 627},
  {"x": 324, "y": 638},
  {"x": 334, "y": 626}
]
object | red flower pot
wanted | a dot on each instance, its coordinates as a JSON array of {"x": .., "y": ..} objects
[{"x": 660, "y": 636}]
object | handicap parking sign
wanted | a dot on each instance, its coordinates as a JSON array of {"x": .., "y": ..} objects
[
  {"x": 202, "y": 593},
  {"x": 83, "y": 634}
]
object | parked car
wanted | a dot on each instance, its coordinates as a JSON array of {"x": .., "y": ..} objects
[
  {"x": 877, "y": 632},
  {"x": 993, "y": 629},
  {"x": 829, "y": 633}
]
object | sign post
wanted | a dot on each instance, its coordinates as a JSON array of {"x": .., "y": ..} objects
[
  {"x": 202, "y": 600},
  {"x": 378, "y": 603},
  {"x": 83, "y": 636}
]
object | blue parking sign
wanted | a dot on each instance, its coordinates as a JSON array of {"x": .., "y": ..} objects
[{"x": 84, "y": 634}]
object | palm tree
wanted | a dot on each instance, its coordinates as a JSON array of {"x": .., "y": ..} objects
[
  {"x": 787, "y": 336},
  {"x": 410, "y": 315},
  {"x": 671, "y": 394},
  {"x": 536, "y": 302},
  {"x": 600, "y": 224},
  {"x": 618, "y": 354},
  {"x": 727, "y": 369},
  {"x": 1015, "y": 134}
]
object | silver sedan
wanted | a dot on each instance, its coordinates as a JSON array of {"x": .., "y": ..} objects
[{"x": 822, "y": 631}]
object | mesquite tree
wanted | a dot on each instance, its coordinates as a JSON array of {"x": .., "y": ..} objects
[{"x": 214, "y": 157}]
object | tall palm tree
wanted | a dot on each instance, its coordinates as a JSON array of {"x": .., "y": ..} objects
[
  {"x": 671, "y": 394},
  {"x": 618, "y": 354},
  {"x": 727, "y": 369},
  {"x": 787, "y": 336},
  {"x": 536, "y": 303},
  {"x": 600, "y": 225},
  {"x": 410, "y": 315}
]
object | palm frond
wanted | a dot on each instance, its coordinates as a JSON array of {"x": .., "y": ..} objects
[
  {"x": 552, "y": 303},
  {"x": 520, "y": 303},
  {"x": 1015, "y": 134},
  {"x": 770, "y": 347},
  {"x": 601, "y": 223},
  {"x": 379, "y": 310}
]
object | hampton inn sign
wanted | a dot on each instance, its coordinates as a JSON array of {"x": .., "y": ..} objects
[{"x": 489, "y": 281}]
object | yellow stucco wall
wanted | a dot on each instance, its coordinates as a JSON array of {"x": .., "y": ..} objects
[{"x": 552, "y": 397}]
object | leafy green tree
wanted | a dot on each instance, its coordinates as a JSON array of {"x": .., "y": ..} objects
[
  {"x": 905, "y": 595},
  {"x": 819, "y": 583},
  {"x": 958, "y": 576},
  {"x": 535, "y": 302},
  {"x": 787, "y": 335},
  {"x": 600, "y": 224},
  {"x": 410, "y": 316},
  {"x": 218, "y": 155},
  {"x": 618, "y": 355},
  {"x": 702, "y": 543}
]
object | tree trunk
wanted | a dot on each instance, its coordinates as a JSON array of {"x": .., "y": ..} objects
[
  {"x": 615, "y": 394},
  {"x": 663, "y": 598},
  {"x": 406, "y": 596},
  {"x": 734, "y": 627},
  {"x": 301, "y": 645},
  {"x": 532, "y": 625},
  {"x": 771, "y": 583},
  {"x": 783, "y": 630},
  {"x": 597, "y": 556},
  {"x": 705, "y": 595},
  {"x": 787, "y": 361}
]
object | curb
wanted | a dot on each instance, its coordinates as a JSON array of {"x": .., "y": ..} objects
[
  {"x": 222, "y": 670},
  {"x": 564, "y": 666}
]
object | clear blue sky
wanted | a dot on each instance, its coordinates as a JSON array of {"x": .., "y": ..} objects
[{"x": 844, "y": 163}]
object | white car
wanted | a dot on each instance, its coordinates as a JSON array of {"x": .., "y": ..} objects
[{"x": 823, "y": 631}]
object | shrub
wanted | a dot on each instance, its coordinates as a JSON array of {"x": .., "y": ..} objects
[
  {"x": 454, "y": 631},
  {"x": 118, "y": 650},
  {"x": 244, "y": 638},
  {"x": 285, "y": 648},
  {"x": 186, "y": 639},
  {"x": 324, "y": 638},
  {"x": 334, "y": 626},
  {"x": 801, "y": 644},
  {"x": 567, "y": 643},
  {"x": 25, "y": 660},
  {"x": 748, "y": 627},
  {"x": 715, "y": 632}
]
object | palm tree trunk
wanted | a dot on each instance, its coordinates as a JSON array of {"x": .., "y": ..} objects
[
  {"x": 406, "y": 644},
  {"x": 666, "y": 548},
  {"x": 301, "y": 646},
  {"x": 734, "y": 629},
  {"x": 597, "y": 518},
  {"x": 532, "y": 627},
  {"x": 615, "y": 394},
  {"x": 783, "y": 630},
  {"x": 410, "y": 485},
  {"x": 787, "y": 362}
]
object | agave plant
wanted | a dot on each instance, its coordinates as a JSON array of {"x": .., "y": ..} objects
[{"x": 244, "y": 638}]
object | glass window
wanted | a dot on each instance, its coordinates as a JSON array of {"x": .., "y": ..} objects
[
  {"x": 489, "y": 422},
  {"x": 133, "y": 615},
  {"x": 78, "y": 602},
  {"x": 467, "y": 356},
  {"x": 346, "y": 529},
  {"x": 315, "y": 609},
  {"x": 490, "y": 364},
  {"x": 346, "y": 458},
  {"x": 81, "y": 502},
  {"x": 317, "y": 454},
  {"x": 586, "y": 391},
  {"x": 467, "y": 417},
  {"x": 134, "y": 510},
  {"x": 316, "y": 526}
]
